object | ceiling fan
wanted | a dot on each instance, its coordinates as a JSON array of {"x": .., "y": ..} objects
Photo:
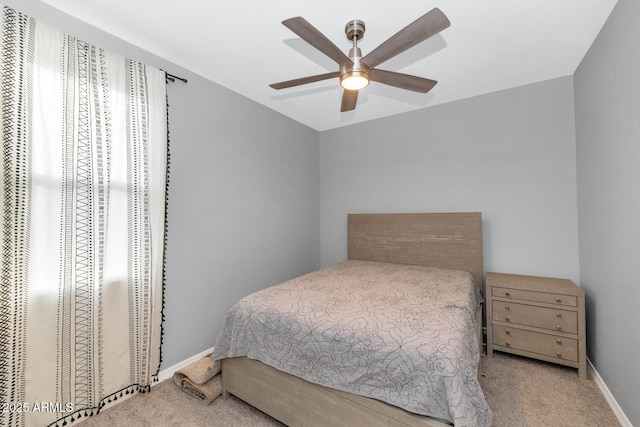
[{"x": 355, "y": 71}]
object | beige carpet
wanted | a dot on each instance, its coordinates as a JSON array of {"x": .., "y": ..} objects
[{"x": 521, "y": 392}]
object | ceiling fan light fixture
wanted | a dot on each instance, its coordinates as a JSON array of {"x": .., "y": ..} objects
[
  {"x": 354, "y": 80},
  {"x": 356, "y": 71}
]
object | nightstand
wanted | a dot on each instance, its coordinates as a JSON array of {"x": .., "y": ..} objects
[{"x": 537, "y": 317}]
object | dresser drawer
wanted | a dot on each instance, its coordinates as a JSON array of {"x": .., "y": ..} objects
[
  {"x": 545, "y": 344},
  {"x": 538, "y": 317},
  {"x": 568, "y": 300}
]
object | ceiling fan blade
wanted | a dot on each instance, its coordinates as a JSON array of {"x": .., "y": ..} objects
[
  {"x": 402, "y": 81},
  {"x": 304, "y": 80},
  {"x": 315, "y": 38},
  {"x": 349, "y": 99},
  {"x": 419, "y": 30}
]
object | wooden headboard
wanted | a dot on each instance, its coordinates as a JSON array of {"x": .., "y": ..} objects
[{"x": 445, "y": 240}]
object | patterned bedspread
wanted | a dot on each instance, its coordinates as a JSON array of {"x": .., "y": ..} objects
[{"x": 401, "y": 334}]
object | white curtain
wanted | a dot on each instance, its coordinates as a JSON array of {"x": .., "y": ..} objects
[{"x": 83, "y": 214}]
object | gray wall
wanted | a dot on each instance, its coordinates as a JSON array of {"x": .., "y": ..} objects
[
  {"x": 607, "y": 100},
  {"x": 509, "y": 154},
  {"x": 243, "y": 210}
]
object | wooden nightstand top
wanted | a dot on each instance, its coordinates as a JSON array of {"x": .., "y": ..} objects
[{"x": 534, "y": 283}]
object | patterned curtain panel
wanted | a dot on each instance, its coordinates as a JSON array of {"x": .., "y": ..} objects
[{"x": 83, "y": 211}]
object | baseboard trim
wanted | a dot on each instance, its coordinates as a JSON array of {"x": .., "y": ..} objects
[
  {"x": 617, "y": 410},
  {"x": 167, "y": 373}
]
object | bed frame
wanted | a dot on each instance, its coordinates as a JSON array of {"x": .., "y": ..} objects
[{"x": 447, "y": 240}]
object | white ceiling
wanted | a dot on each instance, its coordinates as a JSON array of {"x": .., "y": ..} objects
[{"x": 242, "y": 45}]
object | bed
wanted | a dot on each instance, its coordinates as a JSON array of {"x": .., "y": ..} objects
[{"x": 390, "y": 337}]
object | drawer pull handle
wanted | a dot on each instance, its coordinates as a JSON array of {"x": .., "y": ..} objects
[
  {"x": 559, "y": 354},
  {"x": 508, "y": 344},
  {"x": 558, "y": 314},
  {"x": 559, "y": 341},
  {"x": 507, "y": 307},
  {"x": 507, "y": 294},
  {"x": 558, "y": 327},
  {"x": 558, "y": 300},
  {"x": 508, "y": 331},
  {"x": 508, "y": 319}
]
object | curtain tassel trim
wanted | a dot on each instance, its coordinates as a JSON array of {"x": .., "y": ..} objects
[{"x": 91, "y": 411}]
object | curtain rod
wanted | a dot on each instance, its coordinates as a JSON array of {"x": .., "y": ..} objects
[{"x": 173, "y": 78}]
